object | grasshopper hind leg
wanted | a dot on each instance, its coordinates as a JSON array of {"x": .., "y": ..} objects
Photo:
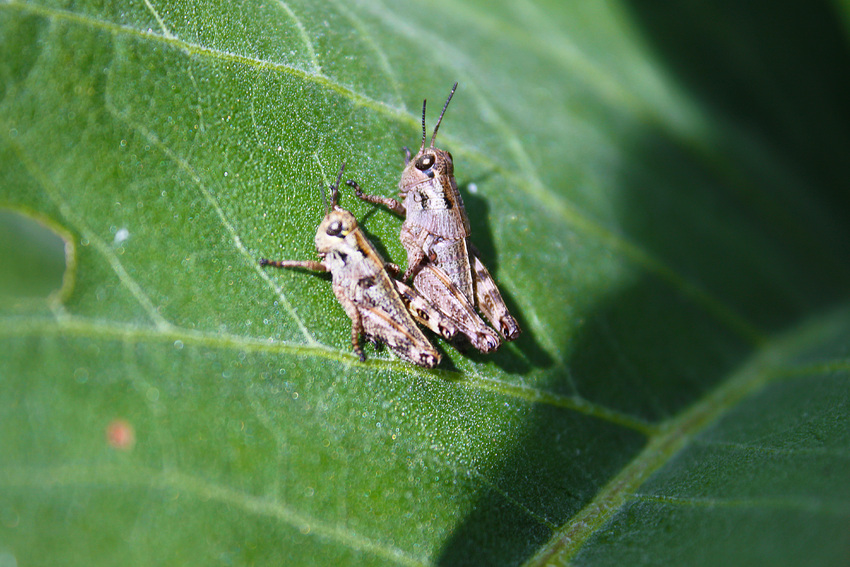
[
  {"x": 433, "y": 282},
  {"x": 356, "y": 326},
  {"x": 425, "y": 313},
  {"x": 490, "y": 301},
  {"x": 356, "y": 331}
]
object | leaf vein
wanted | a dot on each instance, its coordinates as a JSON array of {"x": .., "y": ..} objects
[
  {"x": 787, "y": 503},
  {"x": 184, "y": 166},
  {"x": 203, "y": 491},
  {"x": 383, "y": 60},
  {"x": 768, "y": 450},
  {"x": 159, "y": 19},
  {"x": 305, "y": 38},
  {"x": 93, "y": 328},
  {"x": 540, "y": 519}
]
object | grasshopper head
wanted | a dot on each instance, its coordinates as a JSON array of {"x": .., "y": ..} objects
[
  {"x": 429, "y": 162},
  {"x": 424, "y": 166},
  {"x": 333, "y": 229},
  {"x": 337, "y": 224}
]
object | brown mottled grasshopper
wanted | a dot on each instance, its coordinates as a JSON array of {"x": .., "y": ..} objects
[
  {"x": 443, "y": 263},
  {"x": 379, "y": 306}
]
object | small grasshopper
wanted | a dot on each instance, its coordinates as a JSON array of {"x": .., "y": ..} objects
[
  {"x": 443, "y": 263},
  {"x": 379, "y": 306}
]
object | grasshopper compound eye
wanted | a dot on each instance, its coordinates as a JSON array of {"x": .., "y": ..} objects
[
  {"x": 334, "y": 229},
  {"x": 425, "y": 162}
]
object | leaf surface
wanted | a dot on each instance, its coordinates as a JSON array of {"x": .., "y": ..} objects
[{"x": 672, "y": 246}]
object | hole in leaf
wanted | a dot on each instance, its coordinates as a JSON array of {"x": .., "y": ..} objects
[{"x": 32, "y": 257}]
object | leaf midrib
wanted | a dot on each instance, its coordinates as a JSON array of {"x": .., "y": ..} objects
[
  {"x": 75, "y": 326},
  {"x": 768, "y": 365}
]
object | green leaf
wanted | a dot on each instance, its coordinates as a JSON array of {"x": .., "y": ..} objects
[{"x": 660, "y": 193}]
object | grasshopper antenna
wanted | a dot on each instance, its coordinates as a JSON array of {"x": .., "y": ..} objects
[
  {"x": 324, "y": 198},
  {"x": 440, "y": 119},
  {"x": 335, "y": 187},
  {"x": 424, "y": 135}
]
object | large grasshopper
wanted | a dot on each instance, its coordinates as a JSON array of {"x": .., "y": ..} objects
[{"x": 444, "y": 265}]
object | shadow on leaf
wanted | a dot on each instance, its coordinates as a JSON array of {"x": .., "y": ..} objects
[{"x": 742, "y": 260}]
